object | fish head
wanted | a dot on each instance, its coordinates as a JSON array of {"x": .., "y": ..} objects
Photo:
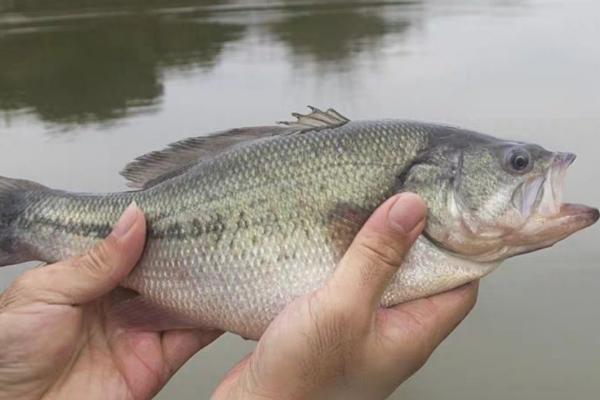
[{"x": 491, "y": 199}]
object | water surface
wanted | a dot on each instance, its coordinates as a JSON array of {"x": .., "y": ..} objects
[{"x": 87, "y": 86}]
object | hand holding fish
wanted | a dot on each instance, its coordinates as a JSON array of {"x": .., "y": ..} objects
[
  {"x": 58, "y": 338},
  {"x": 58, "y": 341},
  {"x": 337, "y": 343}
]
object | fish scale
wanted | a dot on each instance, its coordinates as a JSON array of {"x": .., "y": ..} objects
[
  {"x": 246, "y": 221},
  {"x": 296, "y": 256}
]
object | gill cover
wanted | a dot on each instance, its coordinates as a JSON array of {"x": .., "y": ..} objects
[{"x": 436, "y": 177}]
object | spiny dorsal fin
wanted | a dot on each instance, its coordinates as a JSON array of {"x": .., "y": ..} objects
[
  {"x": 317, "y": 119},
  {"x": 157, "y": 166}
]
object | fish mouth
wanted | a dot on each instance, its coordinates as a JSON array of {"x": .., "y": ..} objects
[{"x": 548, "y": 218}]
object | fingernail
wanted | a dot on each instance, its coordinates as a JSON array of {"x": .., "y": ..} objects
[
  {"x": 407, "y": 212},
  {"x": 126, "y": 220}
]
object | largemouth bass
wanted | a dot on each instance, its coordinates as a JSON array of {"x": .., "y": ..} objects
[{"x": 243, "y": 221}]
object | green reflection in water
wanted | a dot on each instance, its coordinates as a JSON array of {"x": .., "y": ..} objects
[
  {"x": 97, "y": 69},
  {"x": 78, "y": 6},
  {"x": 75, "y": 62},
  {"x": 335, "y": 36}
]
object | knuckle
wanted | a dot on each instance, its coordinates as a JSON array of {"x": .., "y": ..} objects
[
  {"x": 354, "y": 315},
  {"x": 423, "y": 348},
  {"x": 416, "y": 322},
  {"x": 378, "y": 255},
  {"x": 382, "y": 250},
  {"x": 98, "y": 261},
  {"x": 370, "y": 271},
  {"x": 12, "y": 294},
  {"x": 340, "y": 321},
  {"x": 427, "y": 308},
  {"x": 23, "y": 288},
  {"x": 407, "y": 345},
  {"x": 331, "y": 318},
  {"x": 24, "y": 282},
  {"x": 471, "y": 298},
  {"x": 347, "y": 312}
]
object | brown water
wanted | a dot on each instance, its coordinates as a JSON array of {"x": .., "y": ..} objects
[{"x": 87, "y": 86}]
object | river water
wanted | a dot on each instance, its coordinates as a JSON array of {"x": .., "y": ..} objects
[{"x": 87, "y": 86}]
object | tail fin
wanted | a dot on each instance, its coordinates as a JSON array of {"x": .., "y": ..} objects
[{"x": 13, "y": 202}]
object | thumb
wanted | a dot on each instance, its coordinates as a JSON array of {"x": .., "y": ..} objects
[
  {"x": 379, "y": 249},
  {"x": 89, "y": 276}
]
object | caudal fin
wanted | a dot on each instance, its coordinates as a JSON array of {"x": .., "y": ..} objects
[{"x": 13, "y": 202}]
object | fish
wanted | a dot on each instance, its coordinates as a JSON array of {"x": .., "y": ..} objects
[{"x": 242, "y": 222}]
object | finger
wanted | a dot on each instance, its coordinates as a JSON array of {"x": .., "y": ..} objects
[
  {"x": 432, "y": 319},
  {"x": 378, "y": 250},
  {"x": 91, "y": 275},
  {"x": 179, "y": 345},
  {"x": 226, "y": 388}
]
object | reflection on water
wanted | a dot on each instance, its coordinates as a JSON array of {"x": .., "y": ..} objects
[
  {"x": 337, "y": 36},
  {"x": 77, "y": 62},
  {"x": 73, "y": 7},
  {"x": 82, "y": 70}
]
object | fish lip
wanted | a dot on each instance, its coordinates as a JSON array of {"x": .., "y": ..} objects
[
  {"x": 548, "y": 204},
  {"x": 588, "y": 215},
  {"x": 566, "y": 159}
]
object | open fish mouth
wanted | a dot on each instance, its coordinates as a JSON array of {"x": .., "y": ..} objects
[
  {"x": 550, "y": 193},
  {"x": 541, "y": 203}
]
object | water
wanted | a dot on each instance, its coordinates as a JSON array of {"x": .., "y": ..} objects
[{"x": 87, "y": 86}]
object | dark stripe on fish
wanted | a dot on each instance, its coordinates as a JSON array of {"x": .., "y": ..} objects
[
  {"x": 195, "y": 228},
  {"x": 88, "y": 229}
]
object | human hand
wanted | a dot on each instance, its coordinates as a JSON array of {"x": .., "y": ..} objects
[
  {"x": 337, "y": 342},
  {"x": 58, "y": 342}
]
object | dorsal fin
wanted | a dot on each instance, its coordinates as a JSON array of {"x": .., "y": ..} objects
[
  {"x": 158, "y": 166},
  {"x": 178, "y": 157},
  {"x": 317, "y": 119}
]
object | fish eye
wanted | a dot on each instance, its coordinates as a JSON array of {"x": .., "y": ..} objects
[{"x": 519, "y": 161}]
